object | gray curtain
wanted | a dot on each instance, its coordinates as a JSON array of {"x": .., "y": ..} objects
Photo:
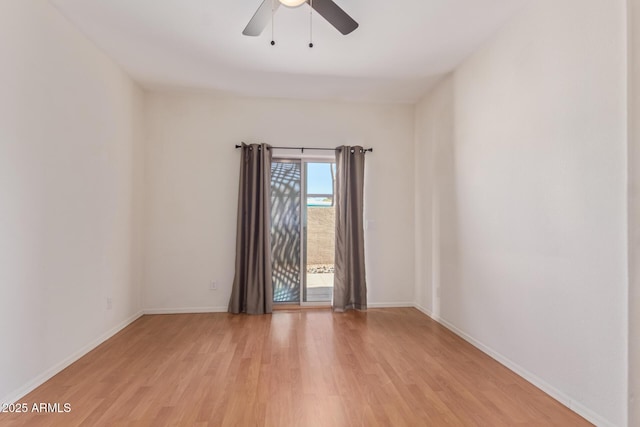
[
  {"x": 349, "y": 283},
  {"x": 252, "y": 291}
]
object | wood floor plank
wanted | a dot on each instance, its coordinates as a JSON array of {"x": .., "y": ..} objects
[{"x": 383, "y": 367}]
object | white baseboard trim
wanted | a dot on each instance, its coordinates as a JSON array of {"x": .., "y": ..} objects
[
  {"x": 54, "y": 370},
  {"x": 186, "y": 310},
  {"x": 221, "y": 309},
  {"x": 425, "y": 310},
  {"x": 390, "y": 304},
  {"x": 561, "y": 397}
]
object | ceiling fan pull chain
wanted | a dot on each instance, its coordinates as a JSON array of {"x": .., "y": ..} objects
[
  {"x": 273, "y": 12},
  {"x": 311, "y": 25}
]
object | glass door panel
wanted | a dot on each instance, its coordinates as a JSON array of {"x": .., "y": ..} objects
[
  {"x": 286, "y": 191},
  {"x": 319, "y": 231}
]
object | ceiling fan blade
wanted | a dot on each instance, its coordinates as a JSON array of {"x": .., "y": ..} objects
[
  {"x": 335, "y": 15},
  {"x": 261, "y": 18}
]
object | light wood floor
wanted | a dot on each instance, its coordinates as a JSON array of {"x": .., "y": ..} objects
[{"x": 388, "y": 367}]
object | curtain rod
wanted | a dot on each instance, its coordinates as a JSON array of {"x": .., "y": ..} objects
[{"x": 366, "y": 150}]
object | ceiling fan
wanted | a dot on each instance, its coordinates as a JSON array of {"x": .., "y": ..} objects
[{"x": 325, "y": 8}]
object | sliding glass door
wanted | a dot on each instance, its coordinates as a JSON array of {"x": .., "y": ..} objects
[{"x": 302, "y": 231}]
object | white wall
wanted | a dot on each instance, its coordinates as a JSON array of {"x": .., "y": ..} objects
[
  {"x": 192, "y": 187},
  {"x": 69, "y": 150},
  {"x": 526, "y": 146},
  {"x": 634, "y": 213}
]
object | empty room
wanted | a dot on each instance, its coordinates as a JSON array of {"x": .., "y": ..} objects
[{"x": 320, "y": 213}]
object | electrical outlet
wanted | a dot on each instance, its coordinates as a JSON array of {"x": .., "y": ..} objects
[
  {"x": 213, "y": 286},
  {"x": 109, "y": 303}
]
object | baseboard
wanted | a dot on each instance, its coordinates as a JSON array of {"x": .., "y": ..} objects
[
  {"x": 425, "y": 310},
  {"x": 51, "y": 372},
  {"x": 224, "y": 309},
  {"x": 186, "y": 310},
  {"x": 390, "y": 304},
  {"x": 561, "y": 397}
]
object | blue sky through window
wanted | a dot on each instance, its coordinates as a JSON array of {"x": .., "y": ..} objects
[{"x": 319, "y": 178}]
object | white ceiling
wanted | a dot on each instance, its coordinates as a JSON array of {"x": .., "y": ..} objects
[{"x": 400, "y": 49}]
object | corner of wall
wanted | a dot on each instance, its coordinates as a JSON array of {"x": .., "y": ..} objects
[{"x": 633, "y": 212}]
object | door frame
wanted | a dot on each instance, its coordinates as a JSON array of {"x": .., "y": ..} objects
[{"x": 302, "y": 160}]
